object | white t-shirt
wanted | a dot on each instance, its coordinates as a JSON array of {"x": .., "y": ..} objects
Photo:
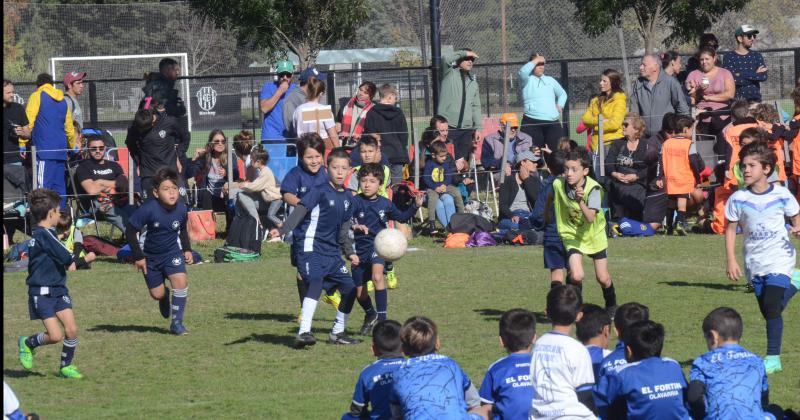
[
  {"x": 767, "y": 248},
  {"x": 10, "y": 402},
  {"x": 560, "y": 366},
  {"x": 311, "y": 126}
]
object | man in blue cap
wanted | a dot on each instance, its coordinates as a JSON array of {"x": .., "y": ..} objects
[
  {"x": 273, "y": 95},
  {"x": 297, "y": 97}
]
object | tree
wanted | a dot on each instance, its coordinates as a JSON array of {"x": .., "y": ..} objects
[
  {"x": 685, "y": 20},
  {"x": 303, "y": 27},
  {"x": 210, "y": 48}
]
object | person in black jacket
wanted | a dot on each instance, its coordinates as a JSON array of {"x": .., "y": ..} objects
[
  {"x": 626, "y": 165},
  {"x": 518, "y": 193},
  {"x": 387, "y": 123}
]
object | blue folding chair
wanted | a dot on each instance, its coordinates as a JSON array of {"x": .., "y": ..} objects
[{"x": 279, "y": 162}]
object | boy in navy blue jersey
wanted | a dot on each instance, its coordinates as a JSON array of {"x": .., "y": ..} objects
[
  {"x": 439, "y": 177},
  {"x": 507, "y": 390},
  {"x": 163, "y": 221},
  {"x": 371, "y": 395},
  {"x": 320, "y": 224},
  {"x": 625, "y": 316},
  {"x": 649, "y": 386},
  {"x": 555, "y": 256},
  {"x": 372, "y": 212},
  {"x": 48, "y": 297},
  {"x": 728, "y": 381},
  {"x": 592, "y": 331}
]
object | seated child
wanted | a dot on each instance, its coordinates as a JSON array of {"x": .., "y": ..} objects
[
  {"x": 371, "y": 395},
  {"x": 593, "y": 330},
  {"x": 555, "y": 256},
  {"x": 507, "y": 390},
  {"x": 728, "y": 381},
  {"x": 649, "y": 386},
  {"x": 626, "y": 315},
  {"x": 438, "y": 177},
  {"x": 430, "y": 385},
  {"x": 561, "y": 368},
  {"x": 72, "y": 238},
  {"x": 261, "y": 191}
]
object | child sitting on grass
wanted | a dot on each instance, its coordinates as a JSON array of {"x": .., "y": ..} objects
[{"x": 72, "y": 238}]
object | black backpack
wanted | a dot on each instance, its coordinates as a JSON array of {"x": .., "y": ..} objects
[
  {"x": 468, "y": 223},
  {"x": 245, "y": 233}
]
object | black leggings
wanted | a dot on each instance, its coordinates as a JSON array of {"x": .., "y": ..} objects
[
  {"x": 218, "y": 204},
  {"x": 542, "y": 132}
]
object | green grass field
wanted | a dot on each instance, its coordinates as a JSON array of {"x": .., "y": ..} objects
[{"x": 237, "y": 360}]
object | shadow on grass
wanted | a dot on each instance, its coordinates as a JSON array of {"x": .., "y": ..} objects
[
  {"x": 266, "y": 316},
  {"x": 281, "y": 340},
  {"x": 686, "y": 363},
  {"x": 129, "y": 328},
  {"x": 19, "y": 373},
  {"x": 495, "y": 314},
  {"x": 715, "y": 286}
]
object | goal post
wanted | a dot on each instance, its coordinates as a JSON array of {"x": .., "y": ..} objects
[{"x": 122, "y": 99}]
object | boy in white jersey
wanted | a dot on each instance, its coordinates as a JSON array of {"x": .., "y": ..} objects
[
  {"x": 561, "y": 368},
  {"x": 769, "y": 255}
]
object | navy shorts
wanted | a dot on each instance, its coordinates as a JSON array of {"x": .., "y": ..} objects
[
  {"x": 293, "y": 254},
  {"x": 43, "y": 307},
  {"x": 362, "y": 272},
  {"x": 330, "y": 270},
  {"x": 555, "y": 256},
  {"x": 161, "y": 268},
  {"x": 596, "y": 256}
]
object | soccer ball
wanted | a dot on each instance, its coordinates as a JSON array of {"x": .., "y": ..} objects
[{"x": 391, "y": 244}]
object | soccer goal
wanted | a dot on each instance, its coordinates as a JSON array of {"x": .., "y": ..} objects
[{"x": 118, "y": 101}]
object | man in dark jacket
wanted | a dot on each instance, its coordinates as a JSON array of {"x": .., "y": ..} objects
[
  {"x": 518, "y": 193},
  {"x": 387, "y": 123},
  {"x": 161, "y": 88}
]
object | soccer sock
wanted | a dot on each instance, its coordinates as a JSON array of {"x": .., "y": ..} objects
[
  {"x": 68, "y": 351},
  {"x": 179, "y": 303},
  {"x": 554, "y": 284},
  {"x": 610, "y": 296},
  {"x": 35, "y": 341},
  {"x": 309, "y": 307},
  {"x": 382, "y": 302},
  {"x": 774, "y": 335},
  {"x": 681, "y": 217},
  {"x": 579, "y": 285},
  {"x": 670, "y": 219},
  {"x": 340, "y": 322},
  {"x": 366, "y": 304},
  {"x": 302, "y": 289}
]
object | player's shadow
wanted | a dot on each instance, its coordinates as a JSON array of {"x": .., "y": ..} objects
[
  {"x": 16, "y": 373},
  {"x": 715, "y": 286},
  {"x": 265, "y": 316},
  {"x": 129, "y": 328},
  {"x": 493, "y": 315},
  {"x": 281, "y": 340}
]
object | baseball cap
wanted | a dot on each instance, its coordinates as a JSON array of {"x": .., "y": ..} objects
[
  {"x": 509, "y": 118},
  {"x": 309, "y": 73},
  {"x": 285, "y": 66},
  {"x": 73, "y": 76},
  {"x": 746, "y": 30},
  {"x": 526, "y": 155}
]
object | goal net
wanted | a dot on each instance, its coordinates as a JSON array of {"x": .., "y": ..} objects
[{"x": 118, "y": 100}]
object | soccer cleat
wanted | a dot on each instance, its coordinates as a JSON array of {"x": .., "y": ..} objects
[
  {"x": 772, "y": 364},
  {"x": 796, "y": 278},
  {"x": 611, "y": 311},
  {"x": 25, "y": 354},
  {"x": 70, "y": 371},
  {"x": 342, "y": 338},
  {"x": 303, "y": 340},
  {"x": 391, "y": 279},
  {"x": 370, "y": 286},
  {"x": 177, "y": 328},
  {"x": 681, "y": 229},
  {"x": 369, "y": 324},
  {"x": 333, "y": 299},
  {"x": 163, "y": 303}
]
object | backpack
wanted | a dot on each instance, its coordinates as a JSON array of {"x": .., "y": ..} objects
[
  {"x": 100, "y": 246},
  {"x": 456, "y": 240},
  {"x": 244, "y": 233},
  {"x": 403, "y": 194},
  {"x": 480, "y": 208},
  {"x": 478, "y": 239},
  {"x": 524, "y": 237},
  {"x": 234, "y": 254},
  {"x": 468, "y": 223}
]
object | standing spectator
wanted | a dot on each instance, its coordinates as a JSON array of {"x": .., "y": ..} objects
[
  {"x": 711, "y": 88},
  {"x": 52, "y": 133},
  {"x": 492, "y": 148},
  {"x": 271, "y": 100},
  {"x": 353, "y": 115},
  {"x": 322, "y": 123},
  {"x": 105, "y": 182},
  {"x": 626, "y": 162},
  {"x": 73, "y": 87},
  {"x": 210, "y": 170},
  {"x": 610, "y": 103},
  {"x": 161, "y": 88},
  {"x": 748, "y": 66},
  {"x": 16, "y": 175},
  {"x": 460, "y": 101},
  {"x": 654, "y": 94},
  {"x": 295, "y": 98},
  {"x": 544, "y": 101},
  {"x": 706, "y": 40},
  {"x": 671, "y": 63},
  {"x": 387, "y": 123}
]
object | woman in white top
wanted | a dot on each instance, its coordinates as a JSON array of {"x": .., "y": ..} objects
[{"x": 313, "y": 117}]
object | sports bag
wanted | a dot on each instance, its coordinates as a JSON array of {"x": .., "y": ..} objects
[
  {"x": 630, "y": 227},
  {"x": 234, "y": 254},
  {"x": 524, "y": 237},
  {"x": 480, "y": 208},
  {"x": 456, "y": 240},
  {"x": 468, "y": 223},
  {"x": 202, "y": 226},
  {"x": 99, "y": 246},
  {"x": 478, "y": 239}
]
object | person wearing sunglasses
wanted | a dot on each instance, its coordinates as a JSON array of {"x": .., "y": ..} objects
[
  {"x": 544, "y": 100},
  {"x": 209, "y": 167},
  {"x": 460, "y": 102},
  {"x": 270, "y": 101},
  {"x": 103, "y": 185},
  {"x": 748, "y": 66}
]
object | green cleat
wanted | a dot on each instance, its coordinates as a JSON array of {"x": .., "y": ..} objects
[
  {"x": 333, "y": 299},
  {"x": 25, "y": 354},
  {"x": 796, "y": 278},
  {"x": 391, "y": 279},
  {"x": 70, "y": 371},
  {"x": 772, "y": 364}
]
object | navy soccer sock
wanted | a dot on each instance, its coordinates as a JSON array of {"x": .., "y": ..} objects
[
  {"x": 302, "y": 290},
  {"x": 35, "y": 341},
  {"x": 578, "y": 286},
  {"x": 179, "y": 297},
  {"x": 382, "y": 302},
  {"x": 610, "y": 296},
  {"x": 68, "y": 351},
  {"x": 366, "y": 304},
  {"x": 774, "y": 335},
  {"x": 554, "y": 284},
  {"x": 681, "y": 217}
]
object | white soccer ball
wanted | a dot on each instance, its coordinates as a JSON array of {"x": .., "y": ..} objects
[{"x": 391, "y": 244}]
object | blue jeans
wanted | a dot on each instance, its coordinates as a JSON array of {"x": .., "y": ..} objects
[
  {"x": 445, "y": 209},
  {"x": 524, "y": 223}
]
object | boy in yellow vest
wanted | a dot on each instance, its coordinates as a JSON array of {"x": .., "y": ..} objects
[
  {"x": 72, "y": 238},
  {"x": 581, "y": 224}
]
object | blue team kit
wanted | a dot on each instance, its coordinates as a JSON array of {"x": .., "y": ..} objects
[{"x": 161, "y": 248}]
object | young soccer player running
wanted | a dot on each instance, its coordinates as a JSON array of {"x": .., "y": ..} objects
[
  {"x": 581, "y": 223},
  {"x": 728, "y": 381},
  {"x": 48, "y": 297},
  {"x": 372, "y": 212},
  {"x": 769, "y": 256},
  {"x": 320, "y": 224},
  {"x": 507, "y": 390},
  {"x": 164, "y": 220},
  {"x": 371, "y": 395}
]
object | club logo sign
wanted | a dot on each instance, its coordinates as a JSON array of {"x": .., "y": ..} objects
[
  {"x": 206, "y": 99},
  {"x": 18, "y": 99}
]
